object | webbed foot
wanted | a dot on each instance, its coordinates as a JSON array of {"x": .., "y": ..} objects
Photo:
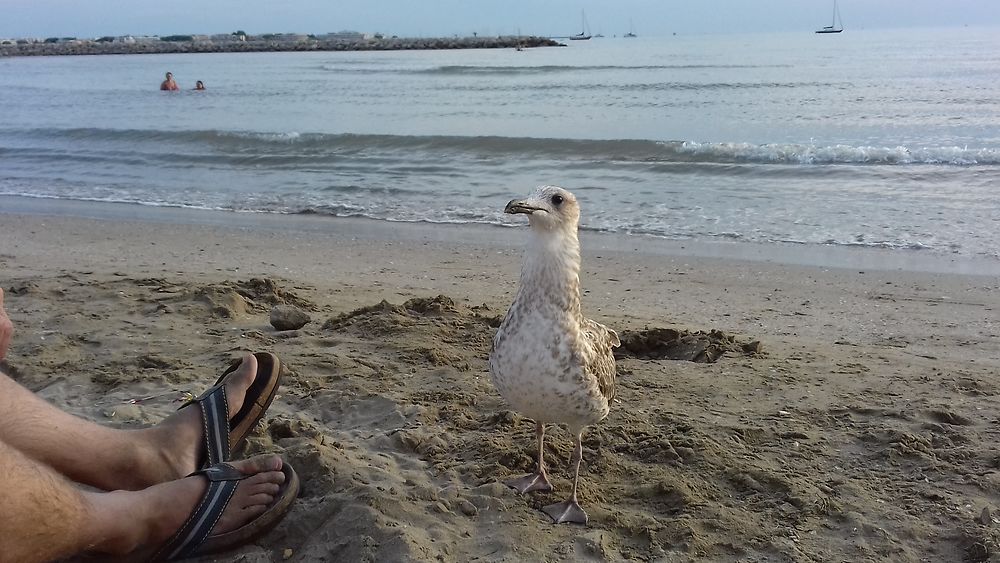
[
  {"x": 566, "y": 511},
  {"x": 529, "y": 483}
]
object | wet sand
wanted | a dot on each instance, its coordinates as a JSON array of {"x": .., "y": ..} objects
[{"x": 851, "y": 414}]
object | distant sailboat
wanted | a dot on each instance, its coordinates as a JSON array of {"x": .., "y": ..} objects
[
  {"x": 584, "y": 34},
  {"x": 631, "y": 30},
  {"x": 832, "y": 28}
]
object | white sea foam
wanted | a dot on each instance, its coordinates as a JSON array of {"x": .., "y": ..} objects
[
  {"x": 839, "y": 154},
  {"x": 288, "y": 137}
]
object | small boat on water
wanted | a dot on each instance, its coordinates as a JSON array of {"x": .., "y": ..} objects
[
  {"x": 584, "y": 33},
  {"x": 631, "y": 30},
  {"x": 832, "y": 28}
]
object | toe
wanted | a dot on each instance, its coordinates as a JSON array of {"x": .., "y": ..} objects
[
  {"x": 247, "y": 371},
  {"x": 261, "y": 464},
  {"x": 258, "y": 500},
  {"x": 263, "y": 488},
  {"x": 265, "y": 480},
  {"x": 254, "y": 511},
  {"x": 239, "y": 381}
]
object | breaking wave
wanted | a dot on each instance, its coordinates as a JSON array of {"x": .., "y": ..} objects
[{"x": 251, "y": 143}]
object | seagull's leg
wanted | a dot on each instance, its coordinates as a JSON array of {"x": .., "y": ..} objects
[
  {"x": 535, "y": 481},
  {"x": 569, "y": 510}
]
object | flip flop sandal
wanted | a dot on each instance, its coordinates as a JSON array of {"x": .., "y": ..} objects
[
  {"x": 225, "y": 437},
  {"x": 195, "y": 538}
]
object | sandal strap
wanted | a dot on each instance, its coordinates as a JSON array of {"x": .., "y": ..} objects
[
  {"x": 222, "y": 482},
  {"x": 215, "y": 416}
]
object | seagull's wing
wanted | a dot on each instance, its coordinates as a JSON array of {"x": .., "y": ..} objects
[{"x": 601, "y": 363}]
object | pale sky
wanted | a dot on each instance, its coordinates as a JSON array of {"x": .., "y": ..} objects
[{"x": 94, "y": 18}]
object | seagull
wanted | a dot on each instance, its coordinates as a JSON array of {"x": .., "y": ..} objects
[{"x": 548, "y": 361}]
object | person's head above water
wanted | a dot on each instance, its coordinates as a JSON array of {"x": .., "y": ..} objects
[
  {"x": 199, "y": 85},
  {"x": 169, "y": 83}
]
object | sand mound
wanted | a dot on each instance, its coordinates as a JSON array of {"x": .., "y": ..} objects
[
  {"x": 232, "y": 299},
  {"x": 432, "y": 331},
  {"x": 672, "y": 344}
]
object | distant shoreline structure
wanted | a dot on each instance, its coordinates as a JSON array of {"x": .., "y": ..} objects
[{"x": 276, "y": 43}]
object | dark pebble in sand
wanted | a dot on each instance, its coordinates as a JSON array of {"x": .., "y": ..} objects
[{"x": 288, "y": 317}]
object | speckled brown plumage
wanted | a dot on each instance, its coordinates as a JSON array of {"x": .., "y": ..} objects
[{"x": 548, "y": 361}]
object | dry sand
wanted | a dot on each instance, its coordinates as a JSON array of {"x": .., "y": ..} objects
[{"x": 864, "y": 428}]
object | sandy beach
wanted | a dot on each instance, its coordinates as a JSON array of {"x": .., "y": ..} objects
[{"x": 852, "y": 415}]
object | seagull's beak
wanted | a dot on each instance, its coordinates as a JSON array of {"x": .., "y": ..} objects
[{"x": 519, "y": 206}]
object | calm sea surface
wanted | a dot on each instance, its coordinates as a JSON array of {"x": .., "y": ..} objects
[{"x": 867, "y": 138}]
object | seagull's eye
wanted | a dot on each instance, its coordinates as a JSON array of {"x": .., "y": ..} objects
[{"x": 557, "y": 199}]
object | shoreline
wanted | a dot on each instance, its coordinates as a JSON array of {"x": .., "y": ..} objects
[{"x": 818, "y": 256}]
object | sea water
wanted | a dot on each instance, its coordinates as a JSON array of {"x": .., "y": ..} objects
[{"x": 867, "y": 138}]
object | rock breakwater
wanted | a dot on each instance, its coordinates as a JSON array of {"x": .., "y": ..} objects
[{"x": 85, "y": 47}]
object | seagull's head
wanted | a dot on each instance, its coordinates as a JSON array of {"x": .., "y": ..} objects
[{"x": 549, "y": 208}]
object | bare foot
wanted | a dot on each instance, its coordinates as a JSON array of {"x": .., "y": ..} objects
[
  {"x": 127, "y": 520},
  {"x": 174, "y": 445}
]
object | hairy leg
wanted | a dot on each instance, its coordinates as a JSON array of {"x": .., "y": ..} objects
[
  {"x": 40, "y": 512},
  {"x": 109, "y": 458},
  {"x": 44, "y": 517}
]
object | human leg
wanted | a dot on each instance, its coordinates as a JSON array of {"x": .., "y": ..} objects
[
  {"x": 109, "y": 458},
  {"x": 43, "y": 516}
]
